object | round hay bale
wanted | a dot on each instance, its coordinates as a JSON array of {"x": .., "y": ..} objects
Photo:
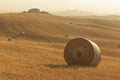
[
  {"x": 9, "y": 39},
  {"x": 70, "y": 22},
  {"x": 23, "y": 33},
  {"x": 82, "y": 52},
  {"x": 118, "y": 46},
  {"x": 66, "y": 35}
]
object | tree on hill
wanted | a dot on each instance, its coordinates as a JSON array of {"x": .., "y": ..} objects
[
  {"x": 44, "y": 12},
  {"x": 34, "y": 10}
]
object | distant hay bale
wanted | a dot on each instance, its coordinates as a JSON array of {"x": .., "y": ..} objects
[
  {"x": 9, "y": 39},
  {"x": 118, "y": 46},
  {"x": 70, "y": 22},
  {"x": 16, "y": 36},
  {"x": 82, "y": 52},
  {"x": 20, "y": 34},
  {"x": 66, "y": 35},
  {"x": 23, "y": 33}
]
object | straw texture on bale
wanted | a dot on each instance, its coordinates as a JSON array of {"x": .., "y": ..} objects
[{"x": 82, "y": 52}]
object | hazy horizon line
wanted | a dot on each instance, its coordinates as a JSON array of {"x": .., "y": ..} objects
[{"x": 94, "y": 12}]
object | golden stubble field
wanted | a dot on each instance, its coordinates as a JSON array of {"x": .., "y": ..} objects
[{"x": 39, "y": 54}]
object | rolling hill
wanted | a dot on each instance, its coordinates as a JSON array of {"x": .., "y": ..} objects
[
  {"x": 73, "y": 13},
  {"x": 38, "y": 55}
]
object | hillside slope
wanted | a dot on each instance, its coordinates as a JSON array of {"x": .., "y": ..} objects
[
  {"x": 38, "y": 26},
  {"x": 38, "y": 55},
  {"x": 48, "y": 28}
]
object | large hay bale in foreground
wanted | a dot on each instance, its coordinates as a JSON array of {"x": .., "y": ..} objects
[{"x": 82, "y": 52}]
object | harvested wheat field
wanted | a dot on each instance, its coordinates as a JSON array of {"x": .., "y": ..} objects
[{"x": 39, "y": 54}]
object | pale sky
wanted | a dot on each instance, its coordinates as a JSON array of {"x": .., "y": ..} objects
[{"x": 97, "y": 6}]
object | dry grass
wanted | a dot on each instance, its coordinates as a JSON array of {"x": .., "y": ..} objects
[{"x": 39, "y": 54}]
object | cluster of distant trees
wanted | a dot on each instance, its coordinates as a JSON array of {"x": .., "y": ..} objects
[{"x": 35, "y": 10}]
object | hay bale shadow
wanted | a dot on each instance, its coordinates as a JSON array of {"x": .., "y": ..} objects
[{"x": 62, "y": 66}]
